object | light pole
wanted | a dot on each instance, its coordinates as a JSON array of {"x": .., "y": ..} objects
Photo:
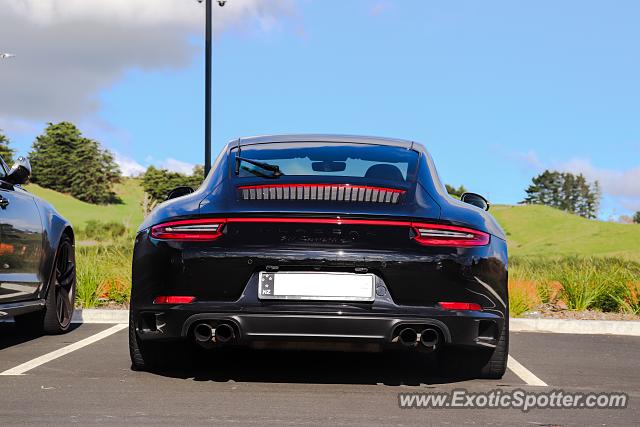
[{"x": 207, "y": 81}]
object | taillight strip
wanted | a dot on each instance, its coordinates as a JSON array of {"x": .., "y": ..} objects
[
  {"x": 331, "y": 221},
  {"x": 448, "y": 235},
  {"x": 426, "y": 234},
  {"x": 189, "y": 229}
]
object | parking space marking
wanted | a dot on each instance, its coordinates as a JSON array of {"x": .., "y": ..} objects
[
  {"x": 525, "y": 375},
  {"x": 34, "y": 363}
]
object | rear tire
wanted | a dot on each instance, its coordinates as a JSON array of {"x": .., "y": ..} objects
[
  {"x": 61, "y": 295},
  {"x": 56, "y": 316},
  {"x": 154, "y": 356},
  {"x": 496, "y": 366},
  {"x": 477, "y": 363},
  {"x": 142, "y": 357}
]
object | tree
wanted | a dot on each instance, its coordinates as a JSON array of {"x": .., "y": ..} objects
[
  {"x": 455, "y": 191},
  {"x": 157, "y": 183},
  {"x": 636, "y": 217},
  {"x": 566, "y": 191},
  {"x": 65, "y": 161},
  {"x": 5, "y": 151},
  {"x": 545, "y": 189},
  {"x": 98, "y": 168}
]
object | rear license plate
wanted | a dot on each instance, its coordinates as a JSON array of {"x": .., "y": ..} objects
[{"x": 316, "y": 286}]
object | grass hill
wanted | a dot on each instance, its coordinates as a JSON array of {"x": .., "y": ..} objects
[
  {"x": 545, "y": 231},
  {"x": 531, "y": 230},
  {"x": 129, "y": 212}
]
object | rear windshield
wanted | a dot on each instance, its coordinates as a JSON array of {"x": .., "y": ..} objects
[{"x": 331, "y": 159}]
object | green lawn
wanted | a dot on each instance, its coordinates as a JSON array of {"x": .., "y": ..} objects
[
  {"x": 78, "y": 213},
  {"x": 608, "y": 254},
  {"x": 544, "y": 231},
  {"x": 531, "y": 230}
]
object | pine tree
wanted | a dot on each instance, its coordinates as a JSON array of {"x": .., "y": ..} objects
[
  {"x": 455, "y": 191},
  {"x": 63, "y": 160},
  {"x": 593, "y": 195},
  {"x": 636, "y": 217},
  {"x": 5, "y": 150},
  {"x": 566, "y": 191},
  {"x": 52, "y": 156},
  {"x": 93, "y": 175},
  {"x": 157, "y": 183},
  {"x": 545, "y": 189}
]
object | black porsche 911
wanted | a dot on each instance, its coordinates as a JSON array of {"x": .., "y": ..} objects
[
  {"x": 320, "y": 241},
  {"x": 37, "y": 257}
]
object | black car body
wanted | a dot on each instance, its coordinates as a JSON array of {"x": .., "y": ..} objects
[
  {"x": 37, "y": 257},
  {"x": 367, "y": 249}
]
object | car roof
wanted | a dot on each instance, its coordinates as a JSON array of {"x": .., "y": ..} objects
[{"x": 354, "y": 139}]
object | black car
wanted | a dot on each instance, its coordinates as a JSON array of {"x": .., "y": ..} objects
[
  {"x": 37, "y": 256},
  {"x": 309, "y": 241}
]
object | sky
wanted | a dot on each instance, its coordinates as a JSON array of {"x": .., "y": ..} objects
[{"x": 497, "y": 90}]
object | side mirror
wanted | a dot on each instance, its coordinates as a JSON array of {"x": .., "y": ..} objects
[
  {"x": 179, "y": 192},
  {"x": 20, "y": 172},
  {"x": 475, "y": 200}
]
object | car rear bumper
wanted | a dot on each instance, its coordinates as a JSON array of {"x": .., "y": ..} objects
[
  {"x": 460, "y": 328},
  {"x": 255, "y": 321}
]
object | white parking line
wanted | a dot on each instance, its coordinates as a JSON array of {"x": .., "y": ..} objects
[
  {"x": 525, "y": 375},
  {"x": 34, "y": 363},
  {"x": 516, "y": 367}
]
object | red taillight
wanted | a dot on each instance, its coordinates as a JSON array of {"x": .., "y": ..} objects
[
  {"x": 173, "y": 299},
  {"x": 448, "y": 235},
  {"x": 189, "y": 229},
  {"x": 425, "y": 234},
  {"x": 463, "y": 306}
]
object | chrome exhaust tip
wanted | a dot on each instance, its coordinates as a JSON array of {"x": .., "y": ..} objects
[
  {"x": 429, "y": 338},
  {"x": 224, "y": 333},
  {"x": 203, "y": 332},
  {"x": 408, "y": 337}
]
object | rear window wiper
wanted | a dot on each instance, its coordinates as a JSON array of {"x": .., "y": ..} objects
[{"x": 275, "y": 169}]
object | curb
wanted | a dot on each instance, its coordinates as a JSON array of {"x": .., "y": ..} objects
[
  {"x": 92, "y": 315},
  {"x": 570, "y": 326},
  {"x": 557, "y": 326}
]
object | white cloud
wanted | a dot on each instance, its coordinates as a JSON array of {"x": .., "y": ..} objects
[
  {"x": 140, "y": 12},
  {"x": 623, "y": 185},
  {"x": 177, "y": 166},
  {"x": 131, "y": 167},
  {"x": 68, "y": 51},
  {"x": 529, "y": 160},
  {"x": 150, "y": 12},
  {"x": 128, "y": 166}
]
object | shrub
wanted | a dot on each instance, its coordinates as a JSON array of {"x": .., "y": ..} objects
[
  {"x": 522, "y": 297},
  {"x": 104, "y": 274},
  {"x": 580, "y": 286},
  {"x": 157, "y": 183},
  {"x": 549, "y": 291},
  {"x": 581, "y": 283},
  {"x": 629, "y": 299},
  {"x": 103, "y": 231}
]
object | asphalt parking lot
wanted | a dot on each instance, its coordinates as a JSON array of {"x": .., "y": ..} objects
[{"x": 90, "y": 381}]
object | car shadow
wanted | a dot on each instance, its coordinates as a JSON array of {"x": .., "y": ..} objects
[
  {"x": 320, "y": 367},
  {"x": 12, "y": 335}
]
